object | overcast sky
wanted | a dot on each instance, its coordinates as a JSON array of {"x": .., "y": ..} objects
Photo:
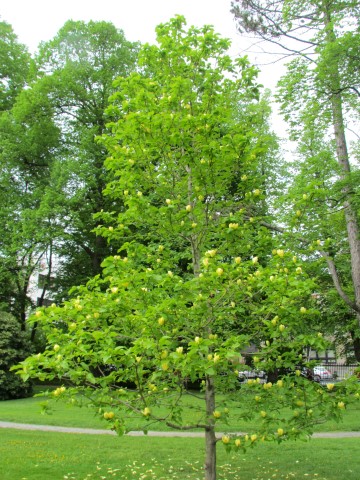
[{"x": 34, "y": 21}]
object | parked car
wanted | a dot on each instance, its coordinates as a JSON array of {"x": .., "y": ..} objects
[
  {"x": 252, "y": 374},
  {"x": 320, "y": 373}
]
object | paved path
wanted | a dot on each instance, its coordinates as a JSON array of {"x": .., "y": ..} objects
[{"x": 173, "y": 433}]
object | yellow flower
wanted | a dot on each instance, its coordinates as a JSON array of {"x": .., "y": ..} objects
[
  {"x": 180, "y": 350},
  {"x": 341, "y": 405},
  {"x": 280, "y": 253},
  {"x": 161, "y": 321},
  {"x": 146, "y": 412},
  {"x": 303, "y": 310},
  {"x": 216, "y": 414},
  {"x": 282, "y": 327},
  {"x": 263, "y": 414},
  {"x": 280, "y": 432},
  {"x": 237, "y": 442},
  {"x": 225, "y": 439},
  {"x": 255, "y": 260},
  {"x": 253, "y": 437},
  {"x": 109, "y": 415},
  {"x": 330, "y": 386},
  {"x": 188, "y": 208},
  {"x": 233, "y": 226},
  {"x": 238, "y": 260},
  {"x": 216, "y": 358},
  {"x": 56, "y": 347},
  {"x": 219, "y": 271}
]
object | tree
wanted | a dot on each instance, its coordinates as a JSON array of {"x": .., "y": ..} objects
[
  {"x": 193, "y": 284},
  {"x": 320, "y": 89},
  {"x": 14, "y": 66},
  {"x": 77, "y": 70},
  {"x": 51, "y": 172},
  {"x": 14, "y": 347}
]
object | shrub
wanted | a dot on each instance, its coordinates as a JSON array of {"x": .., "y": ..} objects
[{"x": 14, "y": 347}]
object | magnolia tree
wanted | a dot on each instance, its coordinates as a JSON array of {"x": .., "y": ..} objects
[{"x": 197, "y": 280}]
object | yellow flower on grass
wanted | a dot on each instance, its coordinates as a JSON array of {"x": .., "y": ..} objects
[
  {"x": 146, "y": 412},
  {"x": 237, "y": 442},
  {"x": 225, "y": 439},
  {"x": 330, "y": 386},
  {"x": 216, "y": 414}
]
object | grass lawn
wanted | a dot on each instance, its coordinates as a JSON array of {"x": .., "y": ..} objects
[
  {"x": 28, "y": 455},
  {"x": 29, "y": 411}
]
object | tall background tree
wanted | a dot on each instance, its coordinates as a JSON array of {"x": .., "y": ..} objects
[
  {"x": 319, "y": 97},
  {"x": 52, "y": 172}
]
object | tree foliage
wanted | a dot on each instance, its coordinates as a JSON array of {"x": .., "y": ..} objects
[
  {"x": 52, "y": 173},
  {"x": 319, "y": 98},
  {"x": 14, "y": 347},
  {"x": 194, "y": 283}
]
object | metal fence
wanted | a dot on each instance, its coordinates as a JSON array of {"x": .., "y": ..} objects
[{"x": 340, "y": 371}]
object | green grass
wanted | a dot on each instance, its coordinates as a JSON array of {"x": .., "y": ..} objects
[
  {"x": 27, "y": 455},
  {"x": 29, "y": 410}
]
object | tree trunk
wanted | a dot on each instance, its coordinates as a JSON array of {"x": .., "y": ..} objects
[
  {"x": 351, "y": 220},
  {"x": 210, "y": 438}
]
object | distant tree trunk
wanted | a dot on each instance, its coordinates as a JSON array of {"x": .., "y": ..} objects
[{"x": 352, "y": 224}]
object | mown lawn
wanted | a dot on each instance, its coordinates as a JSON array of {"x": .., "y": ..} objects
[
  {"x": 30, "y": 410},
  {"x": 28, "y": 455}
]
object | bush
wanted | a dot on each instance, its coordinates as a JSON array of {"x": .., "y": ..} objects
[{"x": 14, "y": 347}]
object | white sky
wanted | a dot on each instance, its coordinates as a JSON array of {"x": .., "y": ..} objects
[{"x": 34, "y": 21}]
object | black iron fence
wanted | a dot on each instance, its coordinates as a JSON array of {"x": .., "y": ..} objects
[{"x": 339, "y": 371}]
